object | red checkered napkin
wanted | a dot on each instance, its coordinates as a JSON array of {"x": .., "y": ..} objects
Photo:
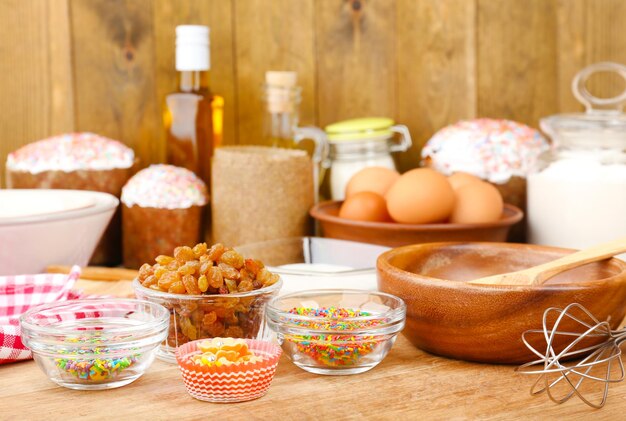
[{"x": 20, "y": 293}]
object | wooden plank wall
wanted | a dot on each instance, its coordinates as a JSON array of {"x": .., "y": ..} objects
[{"x": 105, "y": 65}]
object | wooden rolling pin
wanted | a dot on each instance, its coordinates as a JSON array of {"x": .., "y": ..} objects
[{"x": 98, "y": 273}]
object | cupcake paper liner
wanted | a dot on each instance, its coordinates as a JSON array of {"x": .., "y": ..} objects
[{"x": 229, "y": 383}]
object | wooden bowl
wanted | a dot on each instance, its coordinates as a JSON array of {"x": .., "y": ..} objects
[
  {"x": 449, "y": 317},
  {"x": 393, "y": 234}
]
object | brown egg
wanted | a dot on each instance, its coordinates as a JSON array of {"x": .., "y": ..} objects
[
  {"x": 374, "y": 179},
  {"x": 477, "y": 203},
  {"x": 365, "y": 206},
  {"x": 459, "y": 179},
  {"x": 420, "y": 196}
]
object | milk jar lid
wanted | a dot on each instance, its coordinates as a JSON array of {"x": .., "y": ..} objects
[
  {"x": 369, "y": 128},
  {"x": 603, "y": 120}
]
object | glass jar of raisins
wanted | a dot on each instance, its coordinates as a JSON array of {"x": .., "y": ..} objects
[{"x": 210, "y": 292}]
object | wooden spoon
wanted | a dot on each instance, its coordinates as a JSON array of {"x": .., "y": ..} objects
[{"x": 537, "y": 275}]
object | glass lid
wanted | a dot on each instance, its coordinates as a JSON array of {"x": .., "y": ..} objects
[{"x": 603, "y": 117}]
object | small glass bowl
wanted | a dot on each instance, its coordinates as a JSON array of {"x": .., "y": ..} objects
[
  {"x": 192, "y": 317},
  {"x": 353, "y": 340},
  {"x": 229, "y": 383},
  {"x": 94, "y": 344}
]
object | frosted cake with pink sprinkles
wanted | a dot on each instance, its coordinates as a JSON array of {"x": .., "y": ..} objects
[
  {"x": 163, "y": 207},
  {"x": 494, "y": 150},
  {"x": 165, "y": 187},
  {"x": 71, "y": 152}
]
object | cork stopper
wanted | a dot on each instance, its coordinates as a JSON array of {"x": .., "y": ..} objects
[
  {"x": 281, "y": 78},
  {"x": 282, "y": 94}
]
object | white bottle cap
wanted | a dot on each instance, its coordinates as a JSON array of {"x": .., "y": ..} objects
[{"x": 192, "y": 48}]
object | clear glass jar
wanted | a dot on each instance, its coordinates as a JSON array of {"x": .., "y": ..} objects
[
  {"x": 577, "y": 196},
  {"x": 281, "y": 104},
  {"x": 359, "y": 143}
]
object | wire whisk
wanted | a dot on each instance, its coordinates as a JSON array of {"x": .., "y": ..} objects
[{"x": 594, "y": 347}]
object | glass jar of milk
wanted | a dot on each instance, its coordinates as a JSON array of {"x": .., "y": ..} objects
[
  {"x": 359, "y": 143},
  {"x": 578, "y": 196}
]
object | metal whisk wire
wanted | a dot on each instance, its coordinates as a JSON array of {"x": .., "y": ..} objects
[{"x": 603, "y": 354}]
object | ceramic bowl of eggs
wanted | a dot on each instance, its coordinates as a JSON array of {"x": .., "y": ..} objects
[{"x": 419, "y": 206}]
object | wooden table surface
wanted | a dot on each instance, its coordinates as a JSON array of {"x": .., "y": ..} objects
[{"x": 408, "y": 384}]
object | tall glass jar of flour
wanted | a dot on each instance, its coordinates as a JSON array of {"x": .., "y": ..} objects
[
  {"x": 578, "y": 196},
  {"x": 359, "y": 143}
]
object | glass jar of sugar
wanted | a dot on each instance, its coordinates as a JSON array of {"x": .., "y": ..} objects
[
  {"x": 359, "y": 143},
  {"x": 577, "y": 198}
]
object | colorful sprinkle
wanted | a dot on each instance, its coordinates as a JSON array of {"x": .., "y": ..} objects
[
  {"x": 334, "y": 349},
  {"x": 71, "y": 152},
  {"x": 494, "y": 150},
  {"x": 94, "y": 369},
  {"x": 165, "y": 187}
]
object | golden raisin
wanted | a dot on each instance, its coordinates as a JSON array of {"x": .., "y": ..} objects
[
  {"x": 244, "y": 275},
  {"x": 216, "y": 251},
  {"x": 149, "y": 281},
  {"x": 177, "y": 288},
  {"x": 204, "y": 267},
  {"x": 263, "y": 276},
  {"x": 273, "y": 279},
  {"x": 209, "y": 318},
  {"x": 144, "y": 271},
  {"x": 191, "y": 284},
  {"x": 245, "y": 286},
  {"x": 183, "y": 254},
  {"x": 173, "y": 265},
  {"x": 253, "y": 266},
  {"x": 199, "y": 250},
  {"x": 163, "y": 260},
  {"x": 216, "y": 329},
  {"x": 186, "y": 269},
  {"x": 216, "y": 280},
  {"x": 229, "y": 271},
  {"x": 232, "y": 258},
  {"x": 231, "y": 285},
  {"x": 203, "y": 283},
  {"x": 160, "y": 271},
  {"x": 166, "y": 281},
  {"x": 233, "y": 332}
]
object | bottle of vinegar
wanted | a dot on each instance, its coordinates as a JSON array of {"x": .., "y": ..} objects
[{"x": 193, "y": 115}]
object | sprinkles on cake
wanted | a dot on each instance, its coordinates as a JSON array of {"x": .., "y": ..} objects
[
  {"x": 165, "y": 187},
  {"x": 71, "y": 152},
  {"x": 494, "y": 150}
]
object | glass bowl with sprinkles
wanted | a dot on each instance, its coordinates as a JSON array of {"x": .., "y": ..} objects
[
  {"x": 95, "y": 344},
  {"x": 336, "y": 332}
]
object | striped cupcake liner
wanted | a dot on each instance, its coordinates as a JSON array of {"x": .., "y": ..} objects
[{"x": 229, "y": 383}]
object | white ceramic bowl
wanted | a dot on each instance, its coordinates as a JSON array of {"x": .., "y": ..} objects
[{"x": 42, "y": 227}]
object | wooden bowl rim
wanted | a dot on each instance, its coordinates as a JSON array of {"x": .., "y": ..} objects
[
  {"x": 510, "y": 215},
  {"x": 383, "y": 265}
]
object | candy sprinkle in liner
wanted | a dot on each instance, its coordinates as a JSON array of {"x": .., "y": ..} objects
[
  {"x": 232, "y": 382},
  {"x": 334, "y": 349}
]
